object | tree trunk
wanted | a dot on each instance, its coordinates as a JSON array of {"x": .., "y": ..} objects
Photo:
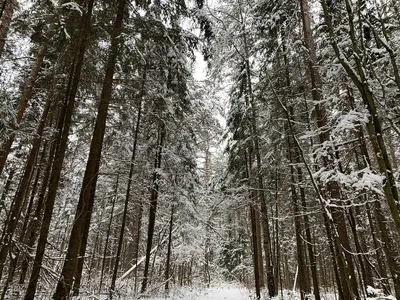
[
  {"x": 11, "y": 272},
  {"x": 378, "y": 253},
  {"x": 297, "y": 160},
  {"x": 28, "y": 214},
  {"x": 64, "y": 124},
  {"x": 259, "y": 248},
  {"x": 254, "y": 234},
  {"x": 80, "y": 229},
  {"x": 366, "y": 277},
  {"x": 277, "y": 271},
  {"x": 374, "y": 126},
  {"x": 6, "y": 189},
  {"x": 333, "y": 190},
  {"x": 302, "y": 268},
  {"x": 6, "y": 14},
  {"x": 93, "y": 257},
  {"x": 153, "y": 204},
  {"x": 389, "y": 247},
  {"x": 20, "y": 196},
  {"x": 31, "y": 231},
  {"x": 168, "y": 261},
  {"x": 26, "y": 95},
  {"x": 269, "y": 265},
  {"x": 128, "y": 192},
  {"x": 255, "y": 252},
  {"x": 137, "y": 239},
  {"x": 108, "y": 234},
  {"x": 310, "y": 248}
]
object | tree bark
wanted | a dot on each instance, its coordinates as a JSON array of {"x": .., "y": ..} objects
[
  {"x": 389, "y": 247},
  {"x": 255, "y": 252},
  {"x": 128, "y": 192},
  {"x": 108, "y": 235},
  {"x": 297, "y": 160},
  {"x": 6, "y": 189},
  {"x": 80, "y": 229},
  {"x": 6, "y": 15},
  {"x": 63, "y": 127},
  {"x": 137, "y": 239},
  {"x": 31, "y": 232},
  {"x": 26, "y": 95},
  {"x": 153, "y": 203},
  {"x": 302, "y": 268},
  {"x": 269, "y": 265},
  {"x": 20, "y": 196},
  {"x": 333, "y": 190},
  {"x": 169, "y": 249},
  {"x": 374, "y": 126}
]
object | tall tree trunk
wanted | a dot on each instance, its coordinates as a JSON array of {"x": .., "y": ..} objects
[
  {"x": 168, "y": 261},
  {"x": 302, "y": 268},
  {"x": 11, "y": 272},
  {"x": 153, "y": 203},
  {"x": 80, "y": 229},
  {"x": 63, "y": 127},
  {"x": 269, "y": 265},
  {"x": 22, "y": 191},
  {"x": 6, "y": 15},
  {"x": 103, "y": 264},
  {"x": 374, "y": 126},
  {"x": 137, "y": 240},
  {"x": 6, "y": 189},
  {"x": 27, "y": 218},
  {"x": 259, "y": 247},
  {"x": 31, "y": 232},
  {"x": 389, "y": 247},
  {"x": 297, "y": 160},
  {"x": 106, "y": 245},
  {"x": 255, "y": 252},
  {"x": 378, "y": 253},
  {"x": 277, "y": 269},
  {"x": 28, "y": 213},
  {"x": 128, "y": 192},
  {"x": 26, "y": 95},
  {"x": 309, "y": 240},
  {"x": 333, "y": 190},
  {"x": 333, "y": 237},
  {"x": 248, "y": 155},
  {"x": 366, "y": 278}
]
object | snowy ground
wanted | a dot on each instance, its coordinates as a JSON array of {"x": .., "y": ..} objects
[
  {"x": 219, "y": 291},
  {"x": 227, "y": 292},
  {"x": 215, "y": 293},
  {"x": 237, "y": 293}
]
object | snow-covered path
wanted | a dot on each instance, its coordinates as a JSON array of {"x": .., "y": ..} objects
[{"x": 214, "y": 293}]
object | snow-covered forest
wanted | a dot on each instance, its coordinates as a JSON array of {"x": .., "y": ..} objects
[{"x": 227, "y": 149}]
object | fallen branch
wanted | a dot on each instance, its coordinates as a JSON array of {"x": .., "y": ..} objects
[{"x": 142, "y": 259}]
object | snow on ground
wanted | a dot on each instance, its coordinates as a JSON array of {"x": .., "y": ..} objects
[
  {"x": 214, "y": 293},
  {"x": 222, "y": 292},
  {"x": 240, "y": 293}
]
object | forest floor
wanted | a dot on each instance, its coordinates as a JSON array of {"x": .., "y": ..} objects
[
  {"x": 217, "y": 292},
  {"x": 228, "y": 292},
  {"x": 238, "y": 293}
]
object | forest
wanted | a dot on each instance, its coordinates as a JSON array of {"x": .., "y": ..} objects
[{"x": 172, "y": 149}]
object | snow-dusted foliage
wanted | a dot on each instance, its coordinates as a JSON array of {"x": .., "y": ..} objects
[{"x": 273, "y": 176}]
